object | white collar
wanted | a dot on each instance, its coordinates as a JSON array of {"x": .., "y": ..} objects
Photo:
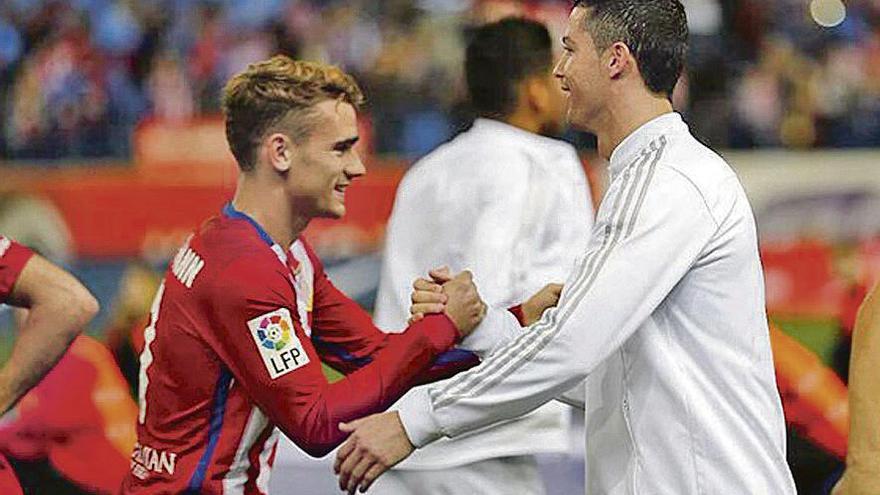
[
  {"x": 498, "y": 129},
  {"x": 631, "y": 147}
]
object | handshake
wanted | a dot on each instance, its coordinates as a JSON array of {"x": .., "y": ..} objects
[
  {"x": 378, "y": 442},
  {"x": 458, "y": 298}
]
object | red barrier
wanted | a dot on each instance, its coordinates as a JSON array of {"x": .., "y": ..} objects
[
  {"x": 125, "y": 212},
  {"x": 814, "y": 398}
]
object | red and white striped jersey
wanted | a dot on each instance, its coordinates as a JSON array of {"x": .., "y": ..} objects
[{"x": 238, "y": 331}]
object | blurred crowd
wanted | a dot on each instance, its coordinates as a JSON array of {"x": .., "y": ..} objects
[{"x": 78, "y": 76}]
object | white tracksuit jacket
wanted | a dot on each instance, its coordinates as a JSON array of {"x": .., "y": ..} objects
[
  {"x": 514, "y": 208},
  {"x": 664, "y": 317}
]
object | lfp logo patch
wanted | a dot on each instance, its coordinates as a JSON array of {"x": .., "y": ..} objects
[{"x": 281, "y": 350}]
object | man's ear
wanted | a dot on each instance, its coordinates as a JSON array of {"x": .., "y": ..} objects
[
  {"x": 536, "y": 93},
  {"x": 618, "y": 60},
  {"x": 280, "y": 150}
]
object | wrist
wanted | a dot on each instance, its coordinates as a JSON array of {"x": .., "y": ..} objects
[
  {"x": 439, "y": 330},
  {"x": 520, "y": 314},
  {"x": 416, "y": 415}
]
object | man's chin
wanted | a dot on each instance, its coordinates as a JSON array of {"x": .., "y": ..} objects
[{"x": 334, "y": 213}]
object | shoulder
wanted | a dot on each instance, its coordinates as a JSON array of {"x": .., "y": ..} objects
[
  {"x": 225, "y": 256},
  {"x": 703, "y": 171}
]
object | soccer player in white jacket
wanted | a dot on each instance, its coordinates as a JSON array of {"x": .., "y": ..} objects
[
  {"x": 513, "y": 207},
  {"x": 664, "y": 314}
]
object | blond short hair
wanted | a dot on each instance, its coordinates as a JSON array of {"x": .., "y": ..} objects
[{"x": 278, "y": 94}]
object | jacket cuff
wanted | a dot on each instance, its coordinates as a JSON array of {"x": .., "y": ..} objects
[
  {"x": 417, "y": 416},
  {"x": 496, "y": 328}
]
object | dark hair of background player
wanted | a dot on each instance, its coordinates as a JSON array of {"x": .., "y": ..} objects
[{"x": 499, "y": 56}]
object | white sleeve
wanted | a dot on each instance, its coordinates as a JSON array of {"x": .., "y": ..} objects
[
  {"x": 576, "y": 397},
  {"x": 499, "y": 326},
  {"x": 648, "y": 239}
]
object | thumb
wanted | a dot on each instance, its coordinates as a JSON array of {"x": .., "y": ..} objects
[
  {"x": 441, "y": 274},
  {"x": 351, "y": 425}
]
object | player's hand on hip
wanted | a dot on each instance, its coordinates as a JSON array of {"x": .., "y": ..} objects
[
  {"x": 464, "y": 306},
  {"x": 544, "y": 299},
  {"x": 376, "y": 443}
]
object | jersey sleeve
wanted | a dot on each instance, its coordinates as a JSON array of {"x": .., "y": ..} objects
[
  {"x": 260, "y": 341},
  {"x": 346, "y": 338},
  {"x": 626, "y": 274},
  {"x": 13, "y": 258}
]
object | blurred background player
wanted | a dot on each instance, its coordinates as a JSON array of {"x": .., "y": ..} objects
[
  {"x": 240, "y": 324},
  {"x": 72, "y": 434},
  {"x": 665, "y": 314},
  {"x": 58, "y": 308},
  {"x": 510, "y": 205}
]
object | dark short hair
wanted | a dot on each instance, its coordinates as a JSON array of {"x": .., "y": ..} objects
[
  {"x": 499, "y": 56},
  {"x": 655, "y": 31}
]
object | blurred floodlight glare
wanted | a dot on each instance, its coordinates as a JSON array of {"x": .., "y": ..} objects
[{"x": 827, "y": 13}]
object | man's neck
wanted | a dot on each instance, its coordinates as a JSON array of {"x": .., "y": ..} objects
[
  {"x": 625, "y": 117},
  {"x": 270, "y": 208},
  {"x": 523, "y": 121}
]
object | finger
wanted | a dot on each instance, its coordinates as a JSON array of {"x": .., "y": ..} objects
[
  {"x": 342, "y": 454},
  {"x": 347, "y": 468},
  {"x": 427, "y": 308},
  {"x": 440, "y": 275},
  {"x": 555, "y": 289},
  {"x": 426, "y": 285},
  {"x": 420, "y": 296},
  {"x": 415, "y": 318},
  {"x": 358, "y": 473},
  {"x": 371, "y": 476}
]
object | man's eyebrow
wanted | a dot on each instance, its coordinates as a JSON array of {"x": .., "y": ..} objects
[{"x": 346, "y": 143}]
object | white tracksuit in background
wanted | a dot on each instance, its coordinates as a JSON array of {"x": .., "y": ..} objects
[{"x": 514, "y": 208}]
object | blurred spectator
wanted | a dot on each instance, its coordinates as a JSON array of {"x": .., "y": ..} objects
[
  {"x": 77, "y": 76},
  {"x": 129, "y": 315}
]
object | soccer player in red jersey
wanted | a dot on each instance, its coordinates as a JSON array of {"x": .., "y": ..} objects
[
  {"x": 246, "y": 314},
  {"x": 58, "y": 308}
]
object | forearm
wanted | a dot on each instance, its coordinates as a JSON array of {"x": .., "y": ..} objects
[
  {"x": 507, "y": 385},
  {"x": 42, "y": 340},
  {"x": 373, "y": 388},
  {"x": 58, "y": 309}
]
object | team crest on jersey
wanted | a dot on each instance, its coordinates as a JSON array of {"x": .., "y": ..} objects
[{"x": 281, "y": 350}]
